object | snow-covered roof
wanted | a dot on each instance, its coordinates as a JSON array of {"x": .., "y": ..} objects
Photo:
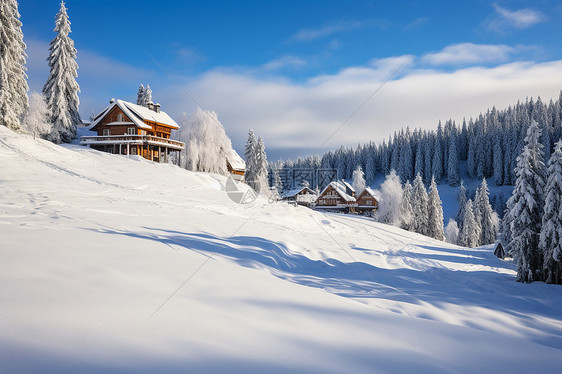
[
  {"x": 348, "y": 186},
  {"x": 339, "y": 187},
  {"x": 138, "y": 114},
  {"x": 235, "y": 160},
  {"x": 295, "y": 191},
  {"x": 371, "y": 192}
]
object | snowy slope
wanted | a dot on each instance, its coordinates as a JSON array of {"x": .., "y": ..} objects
[{"x": 120, "y": 265}]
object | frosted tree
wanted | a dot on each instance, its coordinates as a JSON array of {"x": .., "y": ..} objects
[
  {"x": 390, "y": 200},
  {"x": 434, "y": 213},
  {"x": 147, "y": 95},
  {"x": 277, "y": 182},
  {"x": 437, "y": 165},
  {"x": 13, "y": 79},
  {"x": 526, "y": 208},
  {"x": 550, "y": 243},
  {"x": 452, "y": 232},
  {"x": 461, "y": 200},
  {"x": 207, "y": 144},
  {"x": 453, "y": 175},
  {"x": 250, "y": 154},
  {"x": 261, "y": 185},
  {"x": 469, "y": 235},
  {"x": 140, "y": 96},
  {"x": 36, "y": 120},
  {"x": 61, "y": 90},
  {"x": 485, "y": 215},
  {"x": 419, "y": 206},
  {"x": 358, "y": 183},
  {"x": 407, "y": 208},
  {"x": 498, "y": 161}
]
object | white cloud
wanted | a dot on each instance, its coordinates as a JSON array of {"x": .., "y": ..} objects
[
  {"x": 519, "y": 19},
  {"x": 284, "y": 62},
  {"x": 328, "y": 29},
  {"x": 304, "y": 115},
  {"x": 469, "y": 53}
]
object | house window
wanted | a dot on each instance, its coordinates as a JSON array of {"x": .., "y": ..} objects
[
  {"x": 106, "y": 132},
  {"x": 119, "y": 117},
  {"x": 143, "y": 132},
  {"x": 131, "y": 131}
]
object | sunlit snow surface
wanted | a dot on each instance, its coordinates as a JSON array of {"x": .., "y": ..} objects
[{"x": 92, "y": 245}]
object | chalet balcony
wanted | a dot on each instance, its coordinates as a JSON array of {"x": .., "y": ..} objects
[{"x": 132, "y": 140}]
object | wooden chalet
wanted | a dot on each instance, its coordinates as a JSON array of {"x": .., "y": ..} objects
[
  {"x": 130, "y": 129},
  {"x": 337, "y": 197},
  {"x": 367, "y": 202},
  {"x": 301, "y": 196}
]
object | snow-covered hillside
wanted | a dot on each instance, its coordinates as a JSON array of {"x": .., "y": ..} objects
[{"x": 120, "y": 265}]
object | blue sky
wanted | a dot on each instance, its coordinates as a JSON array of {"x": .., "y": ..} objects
[{"x": 294, "y": 70}]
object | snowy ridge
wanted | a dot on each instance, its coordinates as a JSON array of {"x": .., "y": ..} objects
[{"x": 93, "y": 245}]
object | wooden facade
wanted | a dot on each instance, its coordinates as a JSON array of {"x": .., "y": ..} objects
[
  {"x": 334, "y": 198},
  {"x": 129, "y": 129},
  {"x": 367, "y": 202}
]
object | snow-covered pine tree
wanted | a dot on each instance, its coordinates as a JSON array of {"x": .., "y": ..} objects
[
  {"x": 250, "y": 154},
  {"x": 13, "y": 79},
  {"x": 437, "y": 164},
  {"x": 550, "y": 243},
  {"x": 461, "y": 200},
  {"x": 498, "y": 161},
  {"x": 61, "y": 90},
  {"x": 391, "y": 199},
  {"x": 419, "y": 163},
  {"x": 526, "y": 208},
  {"x": 406, "y": 207},
  {"x": 470, "y": 233},
  {"x": 453, "y": 174},
  {"x": 36, "y": 120},
  {"x": 277, "y": 183},
  {"x": 140, "y": 96},
  {"x": 147, "y": 95},
  {"x": 358, "y": 182},
  {"x": 452, "y": 232},
  {"x": 419, "y": 205},
  {"x": 434, "y": 213},
  {"x": 262, "y": 186},
  {"x": 485, "y": 215}
]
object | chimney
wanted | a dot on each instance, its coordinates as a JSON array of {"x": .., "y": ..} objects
[
  {"x": 157, "y": 107},
  {"x": 150, "y": 105},
  {"x": 112, "y": 101}
]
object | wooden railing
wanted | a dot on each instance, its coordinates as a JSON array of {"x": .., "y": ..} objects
[{"x": 133, "y": 139}]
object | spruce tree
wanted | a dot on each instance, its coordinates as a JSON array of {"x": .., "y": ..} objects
[
  {"x": 434, "y": 213},
  {"x": 526, "y": 208},
  {"x": 61, "y": 89},
  {"x": 36, "y": 120},
  {"x": 453, "y": 174},
  {"x": 250, "y": 154},
  {"x": 13, "y": 79},
  {"x": 470, "y": 233},
  {"x": 550, "y": 243},
  {"x": 261, "y": 170},
  {"x": 485, "y": 215},
  {"x": 461, "y": 200},
  {"x": 407, "y": 208},
  {"x": 140, "y": 96},
  {"x": 420, "y": 200}
]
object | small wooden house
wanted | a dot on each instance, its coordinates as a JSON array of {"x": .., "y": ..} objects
[
  {"x": 130, "y": 129},
  {"x": 302, "y": 196},
  {"x": 337, "y": 196},
  {"x": 367, "y": 202},
  {"x": 235, "y": 165}
]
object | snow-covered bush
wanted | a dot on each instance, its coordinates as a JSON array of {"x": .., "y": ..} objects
[
  {"x": 358, "y": 183},
  {"x": 206, "y": 143},
  {"x": 36, "y": 120},
  {"x": 391, "y": 198},
  {"x": 452, "y": 232}
]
